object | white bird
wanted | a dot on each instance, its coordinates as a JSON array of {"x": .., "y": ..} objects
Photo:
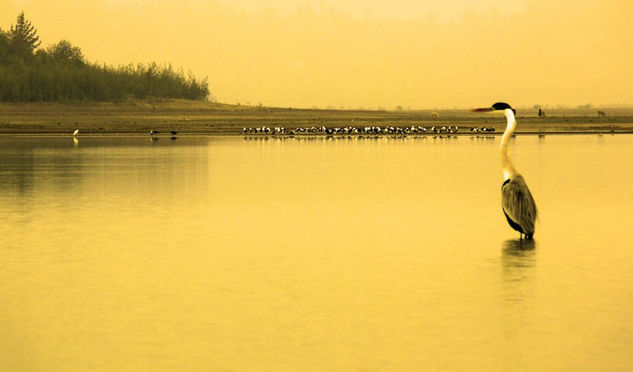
[
  {"x": 76, "y": 132},
  {"x": 516, "y": 199}
]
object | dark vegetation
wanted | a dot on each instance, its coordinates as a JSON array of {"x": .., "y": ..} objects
[{"x": 60, "y": 73}]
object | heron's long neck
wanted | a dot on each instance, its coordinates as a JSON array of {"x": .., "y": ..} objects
[{"x": 506, "y": 162}]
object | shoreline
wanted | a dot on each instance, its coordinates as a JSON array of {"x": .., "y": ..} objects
[
  {"x": 205, "y": 118},
  {"x": 299, "y": 136}
]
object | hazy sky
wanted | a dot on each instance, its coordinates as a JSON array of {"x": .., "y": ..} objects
[{"x": 352, "y": 53}]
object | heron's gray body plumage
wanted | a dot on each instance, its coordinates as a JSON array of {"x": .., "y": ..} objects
[{"x": 518, "y": 205}]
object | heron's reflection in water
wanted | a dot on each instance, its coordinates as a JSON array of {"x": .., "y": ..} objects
[{"x": 518, "y": 258}]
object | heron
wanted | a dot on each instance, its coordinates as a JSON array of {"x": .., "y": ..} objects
[
  {"x": 517, "y": 202},
  {"x": 76, "y": 132}
]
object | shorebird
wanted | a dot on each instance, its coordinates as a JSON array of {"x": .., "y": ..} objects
[{"x": 516, "y": 199}]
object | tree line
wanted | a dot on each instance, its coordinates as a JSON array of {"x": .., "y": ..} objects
[{"x": 60, "y": 73}]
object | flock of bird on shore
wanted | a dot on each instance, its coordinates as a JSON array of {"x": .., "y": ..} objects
[
  {"x": 264, "y": 130},
  {"x": 350, "y": 130}
]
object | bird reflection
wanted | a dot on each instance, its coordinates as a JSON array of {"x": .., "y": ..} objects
[
  {"x": 517, "y": 261},
  {"x": 75, "y": 141},
  {"x": 518, "y": 250}
]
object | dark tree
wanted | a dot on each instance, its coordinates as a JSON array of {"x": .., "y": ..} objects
[
  {"x": 23, "y": 37},
  {"x": 64, "y": 52},
  {"x": 4, "y": 47},
  {"x": 61, "y": 73}
]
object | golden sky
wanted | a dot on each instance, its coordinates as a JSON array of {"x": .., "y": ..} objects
[{"x": 353, "y": 53}]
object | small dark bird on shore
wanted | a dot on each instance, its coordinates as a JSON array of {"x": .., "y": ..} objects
[
  {"x": 173, "y": 132},
  {"x": 153, "y": 132}
]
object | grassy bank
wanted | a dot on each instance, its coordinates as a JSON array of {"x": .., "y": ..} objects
[{"x": 197, "y": 117}]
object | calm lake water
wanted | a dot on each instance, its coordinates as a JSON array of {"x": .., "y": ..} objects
[{"x": 225, "y": 253}]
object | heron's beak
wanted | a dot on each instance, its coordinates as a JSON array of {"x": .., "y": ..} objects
[{"x": 483, "y": 109}]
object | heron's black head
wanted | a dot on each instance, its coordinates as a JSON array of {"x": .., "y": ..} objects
[
  {"x": 497, "y": 106},
  {"x": 503, "y": 106}
]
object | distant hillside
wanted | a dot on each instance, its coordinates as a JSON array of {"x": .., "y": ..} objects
[{"x": 60, "y": 73}]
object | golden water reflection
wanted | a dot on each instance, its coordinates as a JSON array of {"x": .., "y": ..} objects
[{"x": 229, "y": 253}]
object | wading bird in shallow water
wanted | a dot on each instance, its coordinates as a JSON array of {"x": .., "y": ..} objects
[
  {"x": 76, "y": 132},
  {"x": 516, "y": 199}
]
